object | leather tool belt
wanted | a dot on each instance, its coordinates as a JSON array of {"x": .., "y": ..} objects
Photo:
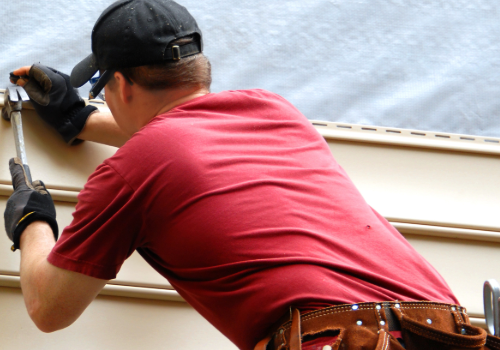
[{"x": 381, "y": 326}]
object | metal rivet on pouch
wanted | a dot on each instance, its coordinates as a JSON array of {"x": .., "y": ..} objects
[
  {"x": 463, "y": 331},
  {"x": 382, "y": 323},
  {"x": 453, "y": 308},
  {"x": 397, "y": 306},
  {"x": 355, "y": 307},
  {"x": 281, "y": 331},
  {"x": 327, "y": 347},
  {"x": 429, "y": 321},
  {"x": 378, "y": 307},
  {"x": 359, "y": 323}
]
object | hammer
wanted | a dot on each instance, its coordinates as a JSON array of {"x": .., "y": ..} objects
[{"x": 13, "y": 103}]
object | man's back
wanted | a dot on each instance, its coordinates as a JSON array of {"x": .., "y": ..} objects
[{"x": 237, "y": 201}]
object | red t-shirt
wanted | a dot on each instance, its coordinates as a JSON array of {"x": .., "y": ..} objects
[{"x": 236, "y": 199}]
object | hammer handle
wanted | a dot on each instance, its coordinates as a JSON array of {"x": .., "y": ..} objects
[
  {"x": 28, "y": 172},
  {"x": 17, "y": 126}
]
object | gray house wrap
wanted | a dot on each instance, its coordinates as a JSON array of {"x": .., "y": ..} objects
[{"x": 428, "y": 65}]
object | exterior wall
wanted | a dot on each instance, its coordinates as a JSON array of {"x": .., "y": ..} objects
[
  {"x": 111, "y": 323},
  {"x": 440, "y": 191}
]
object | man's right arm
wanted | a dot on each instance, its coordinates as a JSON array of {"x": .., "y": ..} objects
[
  {"x": 61, "y": 107},
  {"x": 102, "y": 128}
]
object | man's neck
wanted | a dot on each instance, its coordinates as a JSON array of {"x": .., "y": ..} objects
[
  {"x": 180, "y": 98},
  {"x": 160, "y": 102}
]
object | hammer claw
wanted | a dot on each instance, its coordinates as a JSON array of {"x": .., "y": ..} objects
[
  {"x": 23, "y": 94},
  {"x": 13, "y": 96},
  {"x": 16, "y": 92}
]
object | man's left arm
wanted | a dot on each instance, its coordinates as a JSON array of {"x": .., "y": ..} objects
[{"x": 54, "y": 297}]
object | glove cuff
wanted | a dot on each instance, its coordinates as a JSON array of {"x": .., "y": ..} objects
[
  {"x": 30, "y": 219},
  {"x": 75, "y": 125}
]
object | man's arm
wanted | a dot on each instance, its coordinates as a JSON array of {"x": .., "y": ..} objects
[
  {"x": 48, "y": 89},
  {"x": 102, "y": 128},
  {"x": 54, "y": 297}
]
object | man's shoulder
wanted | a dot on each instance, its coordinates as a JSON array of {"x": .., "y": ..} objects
[
  {"x": 234, "y": 112},
  {"x": 252, "y": 94},
  {"x": 235, "y": 102},
  {"x": 227, "y": 96}
]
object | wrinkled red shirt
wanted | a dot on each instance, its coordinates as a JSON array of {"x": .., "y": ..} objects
[{"x": 236, "y": 199}]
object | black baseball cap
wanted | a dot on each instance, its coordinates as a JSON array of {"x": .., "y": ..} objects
[{"x": 132, "y": 33}]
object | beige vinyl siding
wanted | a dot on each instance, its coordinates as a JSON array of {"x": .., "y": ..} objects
[{"x": 439, "y": 190}]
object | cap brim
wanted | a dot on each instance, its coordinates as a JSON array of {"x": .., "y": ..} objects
[{"x": 83, "y": 71}]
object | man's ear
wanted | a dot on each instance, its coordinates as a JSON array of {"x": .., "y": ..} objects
[{"x": 124, "y": 88}]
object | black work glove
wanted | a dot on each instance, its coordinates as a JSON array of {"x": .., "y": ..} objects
[
  {"x": 57, "y": 102},
  {"x": 30, "y": 202}
]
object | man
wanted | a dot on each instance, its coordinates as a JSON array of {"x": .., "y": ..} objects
[{"x": 232, "y": 196}]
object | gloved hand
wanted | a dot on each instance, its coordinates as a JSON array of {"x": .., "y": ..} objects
[
  {"x": 57, "y": 102},
  {"x": 30, "y": 202}
]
